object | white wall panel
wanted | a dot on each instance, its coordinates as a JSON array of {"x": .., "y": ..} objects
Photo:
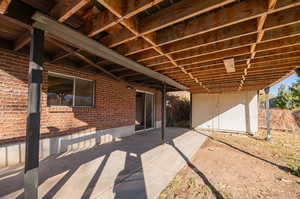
[{"x": 236, "y": 111}]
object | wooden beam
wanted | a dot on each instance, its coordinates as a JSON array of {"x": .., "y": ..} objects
[
  {"x": 278, "y": 51},
  {"x": 274, "y": 34},
  {"x": 132, "y": 25},
  {"x": 77, "y": 39},
  {"x": 115, "y": 6},
  {"x": 191, "y": 28},
  {"x": 283, "y": 57},
  {"x": 261, "y": 24},
  {"x": 210, "y": 57},
  {"x": 181, "y": 11},
  {"x": 118, "y": 12},
  {"x": 70, "y": 50},
  {"x": 43, "y": 5},
  {"x": 282, "y": 18},
  {"x": 216, "y": 47},
  {"x": 211, "y": 37},
  {"x": 22, "y": 41},
  {"x": 64, "y": 9},
  {"x": 60, "y": 55},
  {"x": 4, "y": 5},
  {"x": 285, "y": 42},
  {"x": 184, "y": 9},
  {"x": 118, "y": 70},
  {"x": 264, "y": 54},
  {"x": 243, "y": 11}
]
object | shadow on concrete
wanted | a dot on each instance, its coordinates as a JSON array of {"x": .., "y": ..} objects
[
  {"x": 217, "y": 194},
  {"x": 286, "y": 169},
  {"x": 134, "y": 146}
]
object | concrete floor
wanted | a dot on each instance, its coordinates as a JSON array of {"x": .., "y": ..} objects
[{"x": 134, "y": 167}]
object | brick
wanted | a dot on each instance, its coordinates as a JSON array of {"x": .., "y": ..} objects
[{"x": 114, "y": 103}]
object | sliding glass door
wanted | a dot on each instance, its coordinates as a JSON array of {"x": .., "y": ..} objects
[{"x": 144, "y": 111}]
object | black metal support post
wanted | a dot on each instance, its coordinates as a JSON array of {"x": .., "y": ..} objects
[
  {"x": 191, "y": 111},
  {"x": 163, "y": 112},
  {"x": 269, "y": 136},
  {"x": 33, "y": 115}
]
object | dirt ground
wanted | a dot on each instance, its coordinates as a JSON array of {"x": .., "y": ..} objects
[{"x": 241, "y": 166}]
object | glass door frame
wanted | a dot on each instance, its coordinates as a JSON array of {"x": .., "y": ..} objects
[{"x": 145, "y": 111}]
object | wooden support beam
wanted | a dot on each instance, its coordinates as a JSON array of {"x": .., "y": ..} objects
[
  {"x": 181, "y": 11},
  {"x": 216, "y": 47},
  {"x": 274, "y": 34},
  {"x": 285, "y": 42},
  {"x": 149, "y": 58},
  {"x": 118, "y": 11},
  {"x": 281, "y": 50},
  {"x": 22, "y": 41},
  {"x": 60, "y": 55},
  {"x": 184, "y": 9},
  {"x": 77, "y": 39},
  {"x": 43, "y": 5},
  {"x": 132, "y": 24},
  {"x": 4, "y": 5},
  {"x": 118, "y": 70},
  {"x": 261, "y": 23},
  {"x": 210, "y": 57},
  {"x": 64, "y": 9},
  {"x": 282, "y": 18},
  {"x": 169, "y": 35},
  {"x": 278, "y": 51},
  {"x": 75, "y": 52}
]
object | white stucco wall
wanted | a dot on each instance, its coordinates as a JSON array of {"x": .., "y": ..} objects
[{"x": 235, "y": 111}]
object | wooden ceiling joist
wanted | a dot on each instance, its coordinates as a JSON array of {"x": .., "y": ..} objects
[
  {"x": 4, "y": 5},
  {"x": 186, "y": 47},
  {"x": 77, "y": 39},
  {"x": 184, "y": 10},
  {"x": 64, "y": 9}
]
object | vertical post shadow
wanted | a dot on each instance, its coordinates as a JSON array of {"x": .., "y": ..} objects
[
  {"x": 91, "y": 186},
  {"x": 217, "y": 194},
  {"x": 133, "y": 182},
  {"x": 286, "y": 169}
]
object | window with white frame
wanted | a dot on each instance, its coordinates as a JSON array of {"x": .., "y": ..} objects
[{"x": 70, "y": 91}]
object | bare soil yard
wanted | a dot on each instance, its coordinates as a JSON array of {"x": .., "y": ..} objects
[{"x": 240, "y": 166}]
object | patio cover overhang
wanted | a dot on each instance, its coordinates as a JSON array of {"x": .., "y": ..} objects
[{"x": 181, "y": 42}]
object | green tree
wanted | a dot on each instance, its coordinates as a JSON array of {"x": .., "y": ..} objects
[
  {"x": 282, "y": 99},
  {"x": 287, "y": 98},
  {"x": 295, "y": 94}
]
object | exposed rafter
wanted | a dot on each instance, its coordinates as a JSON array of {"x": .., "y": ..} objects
[
  {"x": 188, "y": 46},
  {"x": 4, "y": 5}
]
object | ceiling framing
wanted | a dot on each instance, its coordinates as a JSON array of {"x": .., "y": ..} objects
[{"x": 185, "y": 40}]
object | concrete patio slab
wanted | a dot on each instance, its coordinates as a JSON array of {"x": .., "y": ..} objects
[{"x": 138, "y": 166}]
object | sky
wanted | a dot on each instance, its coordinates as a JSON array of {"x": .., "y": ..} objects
[{"x": 287, "y": 82}]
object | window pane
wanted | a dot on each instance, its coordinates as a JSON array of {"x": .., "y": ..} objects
[
  {"x": 60, "y": 91},
  {"x": 84, "y": 92}
]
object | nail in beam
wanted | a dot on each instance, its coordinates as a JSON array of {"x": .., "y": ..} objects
[
  {"x": 269, "y": 137},
  {"x": 33, "y": 115},
  {"x": 163, "y": 112}
]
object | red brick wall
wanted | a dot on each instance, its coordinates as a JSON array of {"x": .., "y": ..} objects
[{"x": 114, "y": 103}]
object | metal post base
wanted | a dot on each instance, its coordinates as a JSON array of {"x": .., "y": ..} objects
[{"x": 268, "y": 138}]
